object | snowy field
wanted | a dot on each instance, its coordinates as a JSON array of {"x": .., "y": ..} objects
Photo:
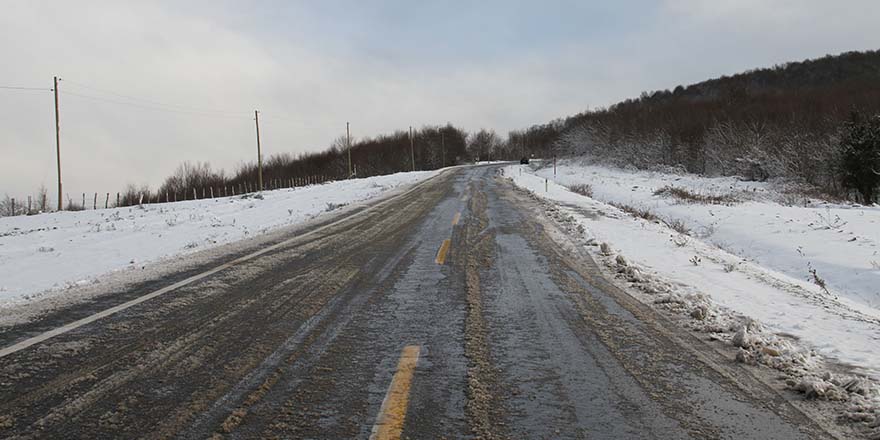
[
  {"x": 44, "y": 255},
  {"x": 749, "y": 251}
]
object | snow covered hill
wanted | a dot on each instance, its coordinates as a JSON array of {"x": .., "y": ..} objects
[{"x": 44, "y": 255}]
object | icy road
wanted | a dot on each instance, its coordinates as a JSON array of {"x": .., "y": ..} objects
[{"x": 443, "y": 312}]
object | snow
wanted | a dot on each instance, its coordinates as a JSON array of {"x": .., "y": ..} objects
[
  {"x": 45, "y": 255},
  {"x": 751, "y": 258}
]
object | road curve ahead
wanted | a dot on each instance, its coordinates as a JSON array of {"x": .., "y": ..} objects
[{"x": 444, "y": 312}]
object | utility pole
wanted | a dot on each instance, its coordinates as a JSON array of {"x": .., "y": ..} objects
[
  {"x": 58, "y": 142},
  {"x": 412, "y": 151},
  {"x": 348, "y": 144},
  {"x": 259, "y": 153}
]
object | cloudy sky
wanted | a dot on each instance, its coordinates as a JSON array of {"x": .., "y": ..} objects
[{"x": 149, "y": 84}]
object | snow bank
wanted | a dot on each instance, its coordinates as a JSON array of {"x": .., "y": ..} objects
[
  {"x": 840, "y": 242},
  {"x": 727, "y": 275},
  {"x": 739, "y": 275},
  {"x": 45, "y": 254}
]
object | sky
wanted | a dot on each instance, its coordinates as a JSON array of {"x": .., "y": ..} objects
[{"x": 146, "y": 85}]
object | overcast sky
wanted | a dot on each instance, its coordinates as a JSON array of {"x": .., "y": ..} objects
[{"x": 199, "y": 69}]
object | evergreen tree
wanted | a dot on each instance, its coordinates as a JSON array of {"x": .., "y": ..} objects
[{"x": 861, "y": 155}]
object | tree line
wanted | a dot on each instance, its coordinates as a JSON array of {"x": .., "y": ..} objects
[
  {"x": 432, "y": 147},
  {"x": 792, "y": 121}
]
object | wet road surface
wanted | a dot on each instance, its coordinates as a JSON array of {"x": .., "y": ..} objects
[{"x": 444, "y": 312}]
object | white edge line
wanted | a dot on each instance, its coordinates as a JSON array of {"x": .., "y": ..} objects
[{"x": 6, "y": 351}]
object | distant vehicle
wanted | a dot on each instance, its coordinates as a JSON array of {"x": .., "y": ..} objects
[{"x": 524, "y": 161}]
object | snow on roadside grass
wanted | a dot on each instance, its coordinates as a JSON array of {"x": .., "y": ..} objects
[
  {"x": 773, "y": 318},
  {"x": 840, "y": 242},
  {"x": 46, "y": 254}
]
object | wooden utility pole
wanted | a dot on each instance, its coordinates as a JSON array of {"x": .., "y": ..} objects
[
  {"x": 259, "y": 153},
  {"x": 58, "y": 141},
  {"x": 412, "y": 151},
  {"x": 348, "y": 144}
]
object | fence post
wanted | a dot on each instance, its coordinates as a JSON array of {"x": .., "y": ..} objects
[
  {"x": 44, "y": 203},
  {"x": 84, "y": 202},
  {"x": 212, "y": 192},
  {"x": 12, "y": 208},
  {"x": 29, "y": 205},
  {"x": 95, "y": 202},
  {"x": 107, "y": 201},
  {"x": 195, "y": 195},
  {"x": 117, "y": 200}
]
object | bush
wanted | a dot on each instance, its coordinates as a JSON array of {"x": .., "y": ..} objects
[
  {"x": 582, "y": 189},
  {"x": 861, "y": 156},
  {"x": 678, "y": 226},
  {"x": 644, "y": 213},
  {"x": 133, "y": 195},
  {"x": 686, "y": 196}
]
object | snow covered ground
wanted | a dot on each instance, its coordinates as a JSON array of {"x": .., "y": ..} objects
[
  {"x": 744, "y": 267},
  {"x": 750, "y": 254},
  {"x": 44, "y": 255}
]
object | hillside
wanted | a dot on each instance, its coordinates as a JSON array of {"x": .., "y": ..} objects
[{"x": 783, "y": 121}]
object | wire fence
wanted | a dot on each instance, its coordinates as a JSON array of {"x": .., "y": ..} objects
[{"x": 40, "y": 204}]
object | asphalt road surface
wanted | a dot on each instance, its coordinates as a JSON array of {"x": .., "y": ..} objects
[{"x": 443, "y": 312}]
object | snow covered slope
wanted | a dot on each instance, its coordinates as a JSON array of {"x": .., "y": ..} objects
[
  {"x": 749, "y": 254},
  {"x": 44, "y": 254},
  {"x": 842, "y": 243}
]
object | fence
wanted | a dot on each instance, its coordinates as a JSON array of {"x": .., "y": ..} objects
[{"x": 32, "y": 206}]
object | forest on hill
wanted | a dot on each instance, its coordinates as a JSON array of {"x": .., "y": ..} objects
[{"x": 789, "y": 121}]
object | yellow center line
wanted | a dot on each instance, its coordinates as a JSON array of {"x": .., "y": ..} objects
[
  {"x": 441, "y": 254},
  {"x": 389, "y": 424},
  {"x": 456, "y": 218}
]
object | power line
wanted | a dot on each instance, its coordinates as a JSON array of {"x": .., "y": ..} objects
[
  {"x": 41, "y": 89},
  {"x": 150, "y": 101},
  {"x": 153, "y": 108}
]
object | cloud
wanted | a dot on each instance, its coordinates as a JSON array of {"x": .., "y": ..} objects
[{"x": 310, "y": 67}]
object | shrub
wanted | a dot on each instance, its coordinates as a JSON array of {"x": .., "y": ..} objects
[
  {"x": 684, "y": 195},
  {"x": 644, "y": 213},
  {"x": 582, "y": 189},
  {"x": 678, "y": 226},
  {"x": 861, "y": 155}
]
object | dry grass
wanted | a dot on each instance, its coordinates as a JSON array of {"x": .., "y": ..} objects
[
  {"x": 678, "y": 226},
  {"x": 645, "y": 213},
  {"x": 637, "y": 212},
  {"x": 686, "y": 196},
  {"x": 582, "y": 189}
]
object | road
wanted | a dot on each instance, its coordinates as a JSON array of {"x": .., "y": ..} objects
[{"x": 444, "y": 312}]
